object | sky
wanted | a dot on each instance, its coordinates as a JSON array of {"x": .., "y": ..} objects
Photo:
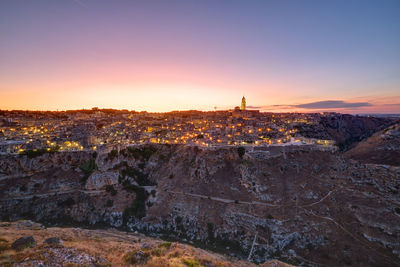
[{"x": 283, "y": 56}]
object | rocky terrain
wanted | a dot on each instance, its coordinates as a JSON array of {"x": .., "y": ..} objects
[
  {"x": 346, "y": 130},
  {"x": 305, "y": 205},
  {"x": 381, "y": 148},
  {"x": 25, "y": 243}
]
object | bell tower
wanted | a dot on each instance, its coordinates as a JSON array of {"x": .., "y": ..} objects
[{"x": 243, "y": 106}]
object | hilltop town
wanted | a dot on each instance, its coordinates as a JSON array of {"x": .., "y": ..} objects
[{"x": 94, "y": 129}]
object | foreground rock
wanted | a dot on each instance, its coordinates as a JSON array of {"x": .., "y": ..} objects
[
  {"x": 23, "y": 242},
  {"x": 53, "y": 241},
  {"x": 107, "y": 248}
]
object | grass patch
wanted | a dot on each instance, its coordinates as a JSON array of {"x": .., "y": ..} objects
[
  {"x": 166, "y": 245},
  {"x": 191, "y": 263},
  {"x": 4, "y": 245},
  {"x": 137, "y": 257}
]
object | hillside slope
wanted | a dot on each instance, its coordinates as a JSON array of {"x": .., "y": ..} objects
[
  {"x": 80, "y": 247},
  {"x": 381, "y": 148}
]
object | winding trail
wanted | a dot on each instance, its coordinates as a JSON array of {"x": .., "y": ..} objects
[
  {"x": 54, "y": 193},
  {"x": 226, "y": 200}
]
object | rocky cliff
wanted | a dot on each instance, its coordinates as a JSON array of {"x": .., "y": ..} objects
[
  {"x": 346, "y": 130},
  {"x": 381, "y": 148},
  {"x": 300, "y": 204}
]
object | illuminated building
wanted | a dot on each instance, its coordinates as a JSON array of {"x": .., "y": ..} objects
[{"x": 243, "y": 106}]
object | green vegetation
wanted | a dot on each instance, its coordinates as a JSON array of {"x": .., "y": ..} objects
[
  {"x": 397, "y": 210},
  {"x": 111, "y": 189},
  {"x": 241, "y": 151},
  {"x": 153, "y": 193},
  {"x": 137, "y": 257},
  {"x": 88, "y": 167},
  {"x": 191, "y": 263},
  {"x": 166, "y": 245},
  {"x": 38, "y": 152},
  {"x": 140, "y": 153},
  {"x": 138, "y": 207},
  {"x": 112, "y": 155},
  {"x": 138, "y": 175},
  {"x": 109, "y": 203},
  {"x": 210, "y": 231},
  {"x": 4, "y": 245},
  {"x": 66, "y": 203}
]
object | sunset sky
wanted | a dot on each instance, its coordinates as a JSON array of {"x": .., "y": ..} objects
[{"x": 168, "y": 55}]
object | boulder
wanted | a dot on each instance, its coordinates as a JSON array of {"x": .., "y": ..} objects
[
  {"x": 53, "y": 241},
  {"x": 29, "y": 224},
  {"x": 23, "y": 242},
  {"x": 99, "y": 180}
]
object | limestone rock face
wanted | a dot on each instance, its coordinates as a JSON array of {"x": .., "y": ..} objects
[
  {"x": 300, "y": 203},
  {"x": 99, "y": 180}
]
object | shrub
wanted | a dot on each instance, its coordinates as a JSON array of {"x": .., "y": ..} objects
[
  {"x": 112, "y": 154},
  {"x": 38, "y": 152},
  {"x": 138, "y": 207},
  {"x": 111, "y": 189},
  {"x": 66, "y": 203},
  {"x": 166, "y": 245},
  {"x": 4, "y": 245},
  {"x": 158, "y": 252},
  {"x": 130, "y": 258},
  {"x": 109, "y": 203},
  {"x": 191, "y": 262},
  {"x": 241, "y": 151},
  {"x": 88, "y": 167},
  {"x": 141, "y": 165},
  {"x": 137, "y": 257},
  {"x": 140, "y": 177},
  {"x": 141, "y": 153},
  {"x": 397, "y": 210}
]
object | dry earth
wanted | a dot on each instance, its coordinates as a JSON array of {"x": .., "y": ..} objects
[{"x": 81, "y": 247}]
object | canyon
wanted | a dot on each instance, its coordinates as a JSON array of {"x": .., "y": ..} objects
[{"x": 304, "y": 205}]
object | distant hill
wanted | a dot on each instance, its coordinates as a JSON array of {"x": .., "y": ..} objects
[
  {"x": 347, "y": 130},
  {"x": 381, "y": 148}
]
